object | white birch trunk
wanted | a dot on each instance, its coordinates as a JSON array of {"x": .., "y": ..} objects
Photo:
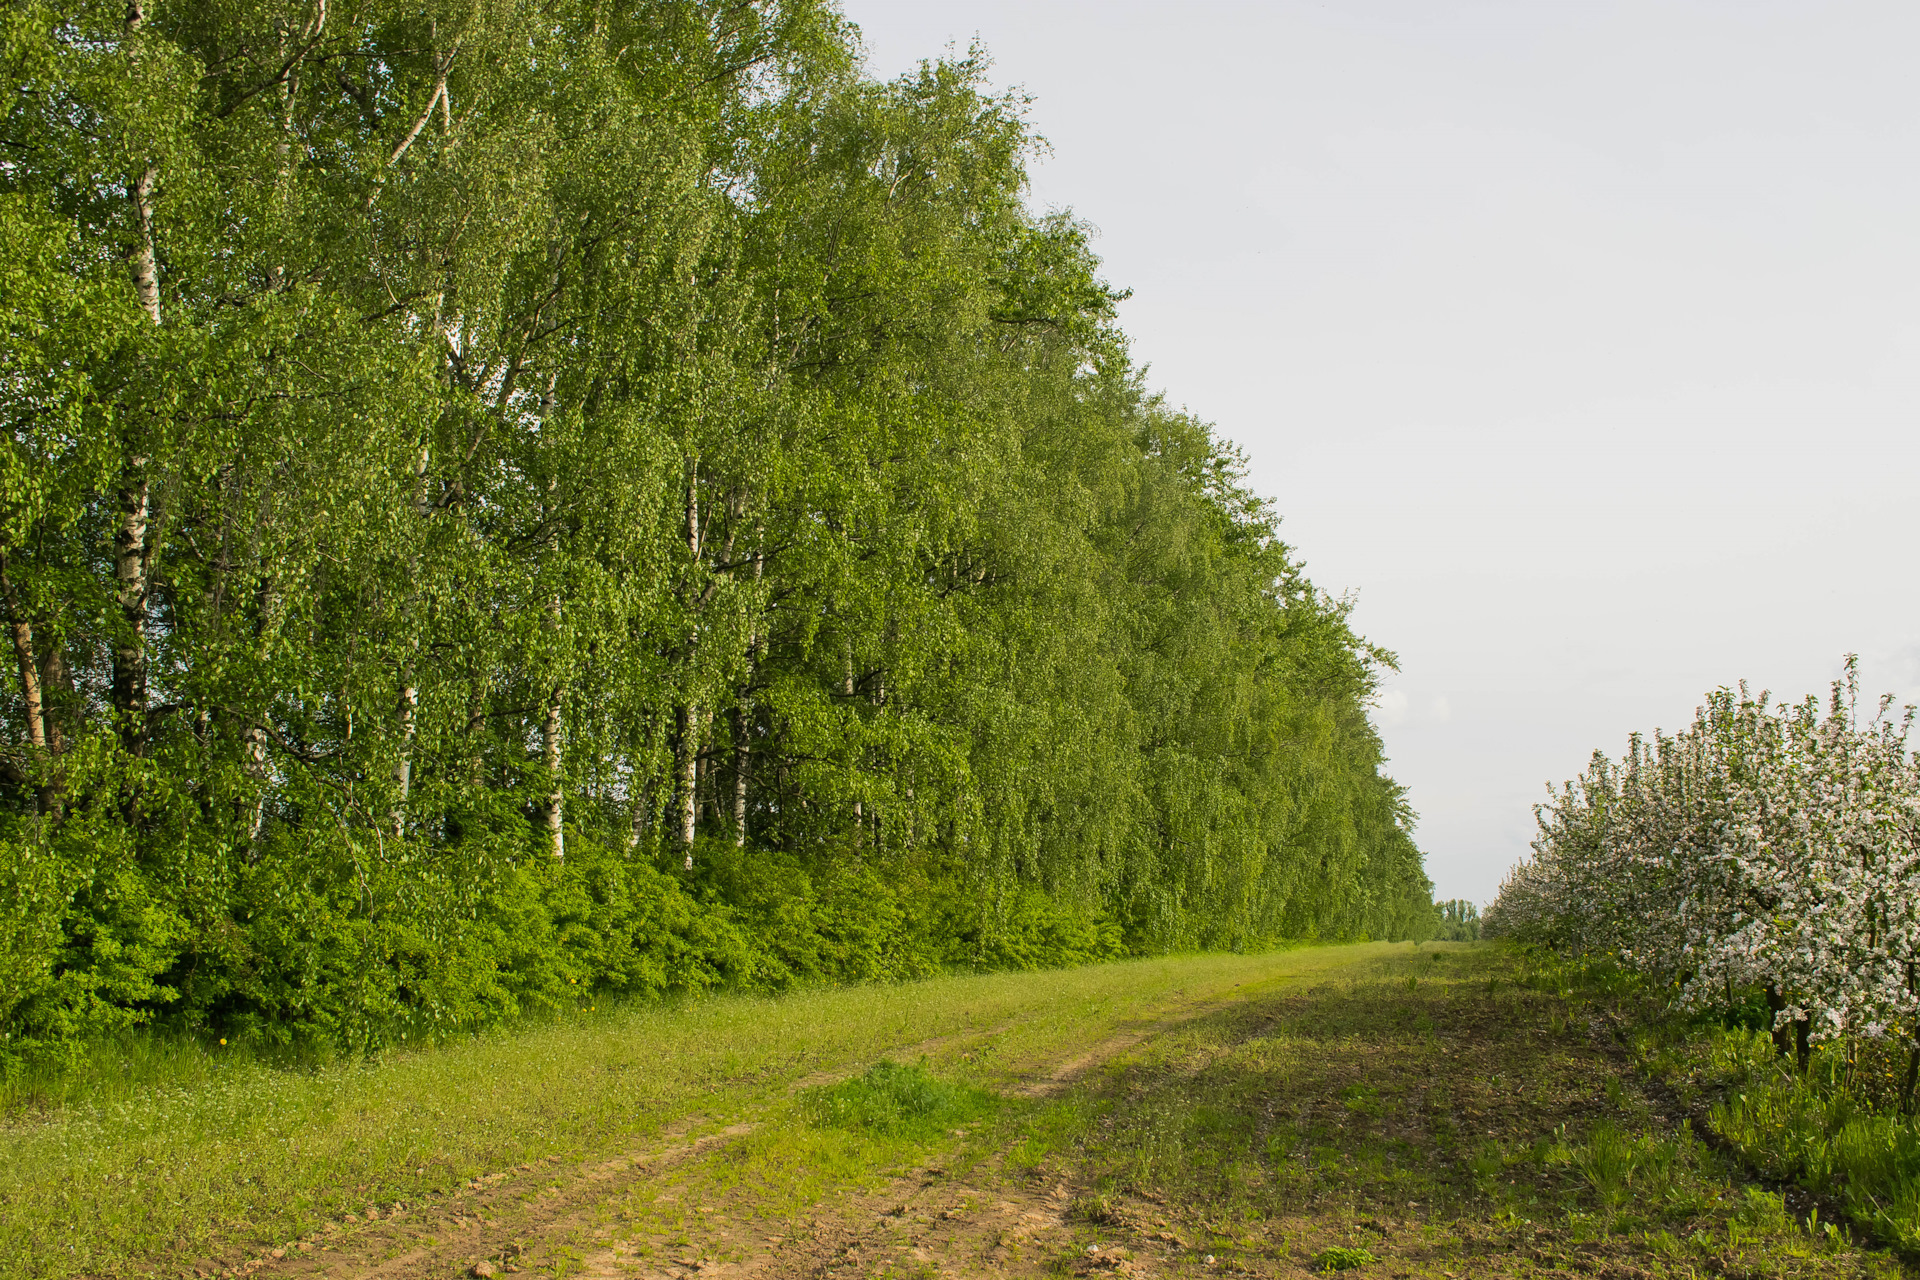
[
  {"x": 254, "y": 742},
  {"x": 409, "y": 690},
  {"x": 130, "y": 574},
  {"x": 21, "y": 628},
  {"x": 687, "y": 749},
  {"x": 687, "y": 753},
  {"x": 550, "y": 757},
  {"x": 130, "y": 539},
  {"x": 550, "y": 730},
  {"x": 403, "y": 767},
  {"x": 145, "y": 270},
  {"x": 742, "y": 757}
]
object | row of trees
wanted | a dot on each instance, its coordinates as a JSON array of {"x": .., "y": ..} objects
[
  {"x": 502, "y": 499},
  {"x": 1769, "y": 851},
  {"x": 1458, "y": 920}
]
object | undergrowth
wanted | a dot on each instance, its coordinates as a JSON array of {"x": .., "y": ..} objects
[{"x": 1837, "y": 1129}]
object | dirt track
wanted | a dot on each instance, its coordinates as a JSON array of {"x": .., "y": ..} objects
[
  {"x": 1422, "y": 1113},
  {"x": 558, "y": 1217}
]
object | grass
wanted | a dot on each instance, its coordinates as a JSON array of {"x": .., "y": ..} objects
[
  {"x": 1376, "y": 1110},
  {"x": 1439, "y": 1116},
  {"x": 1341, "y": 1258},
  {"x": 1836, "y": 1131},
  {"x": 174, "y": 1153},
  {"x": 895, "y": 1101}
]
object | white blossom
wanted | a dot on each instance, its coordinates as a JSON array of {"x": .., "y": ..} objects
[{"x": 1771, "y": 847}]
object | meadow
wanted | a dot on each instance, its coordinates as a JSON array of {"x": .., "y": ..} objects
[
  {"x": 1389, "y": 1109},
  {"x": 164, "y": 1152}
]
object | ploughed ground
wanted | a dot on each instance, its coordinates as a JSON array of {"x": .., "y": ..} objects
[{"x": 1422, "y": 1112}]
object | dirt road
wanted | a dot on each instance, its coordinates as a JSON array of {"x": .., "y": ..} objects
[{"x": 1406, "y": 1116}]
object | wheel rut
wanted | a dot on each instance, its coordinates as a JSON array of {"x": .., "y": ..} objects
[{"x": 554, "y": 1215}]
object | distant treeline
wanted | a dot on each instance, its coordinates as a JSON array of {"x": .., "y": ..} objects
[
  {"x": 1459, "y": 920},
  {"x": 509, "y": 501}
]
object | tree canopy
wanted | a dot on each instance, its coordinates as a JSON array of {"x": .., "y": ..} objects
[{"x": 507, "y": 500}]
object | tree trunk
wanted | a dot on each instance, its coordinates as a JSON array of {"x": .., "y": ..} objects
[
  {"x": 742, "y": 755},
  {"x": 56, "y": 693},
  {"x": 550, "y": 757},
  {"x": 130, "y": 539},
  {"x": 22, "y": 630},
  {"x": 1782, "y": 1043},
  {"x": 142, "y": 264},
  {"x": 409, "y": 730},
  {"x": 254, "y": 742},
  {"x": 254, "y": 739},
  {"x": 130, "y": 571},
  {"x": 686, "y": 756},
  {"x": 686, "y": 771},
  {"x": 409, "y": 690},
  {"x": 702, "y": 776},
  {"x": 743, "y": 707}
]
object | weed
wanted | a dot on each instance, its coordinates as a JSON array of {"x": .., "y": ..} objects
[
  {"x": 1096, "y": 1209},
  {"x": 1485, "y": 1166},
  {"x": 897, "y": 1102},
  {"x": 1342, "y": 1258},
  {"x": 1608, "y": 1160},
  {"x": 1762, "y": 1212}
]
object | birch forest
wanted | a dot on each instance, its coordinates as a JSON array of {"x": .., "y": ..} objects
[{"x": 510, "y": 503}]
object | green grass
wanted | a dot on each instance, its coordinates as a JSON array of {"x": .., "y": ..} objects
[
  {"x": 1342, "y": 1258},
  {"x": 896, "y": 1101},
  {"x": 175, "y": 1152},
  {"x": 1469, "y": 1122},
  {"x": 1837, "y": 1131},
  {"x": 1823, "y": 1131}
]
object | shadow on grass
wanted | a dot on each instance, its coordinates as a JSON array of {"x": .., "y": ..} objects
[{"x": 1430, "y": 1109}]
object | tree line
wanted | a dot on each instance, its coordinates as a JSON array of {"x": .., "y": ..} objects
[{"x": 504, "y": 502}]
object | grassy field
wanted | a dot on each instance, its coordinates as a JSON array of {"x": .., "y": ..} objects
[
  {"x": 171, "y": 1156},
  {"x": 1386, "y": 1109},
  {"x": 1422, "y": 1113}
]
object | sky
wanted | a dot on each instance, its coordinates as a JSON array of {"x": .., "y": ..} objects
[{"x": 1578, "y": 343}]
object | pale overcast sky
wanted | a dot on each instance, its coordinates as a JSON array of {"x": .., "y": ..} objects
[{"x": 1580, "y": 341}]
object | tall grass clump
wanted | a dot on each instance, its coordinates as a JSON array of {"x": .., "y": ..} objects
[{"x": 898, "y": 1101}]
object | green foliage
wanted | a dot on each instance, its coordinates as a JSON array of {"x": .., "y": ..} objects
[
  {"x": 898, "y": 1101},
  {"x": 504, "y": 504},
  {"x": 1824, "y": 1131},
  {"x": 1459, "y": 921},
  {"x": 1341, "y": 1257}
]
